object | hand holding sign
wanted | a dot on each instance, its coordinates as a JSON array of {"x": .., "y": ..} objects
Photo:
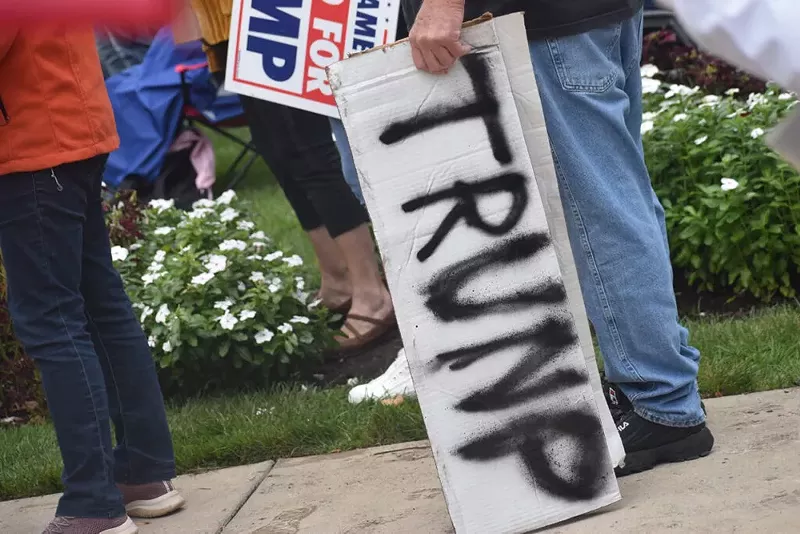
[
  {"x": 119, "y": 14},
  {"x": 436, "y": 35}
]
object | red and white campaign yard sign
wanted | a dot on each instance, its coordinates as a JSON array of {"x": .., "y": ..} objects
[{"x": 279, "y": 48}]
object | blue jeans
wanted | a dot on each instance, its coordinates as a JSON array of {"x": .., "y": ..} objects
[
  {"x": 348, "y": 165},
  {"x": 591, "y": 92},
  {"x": 71, "y": 313}
]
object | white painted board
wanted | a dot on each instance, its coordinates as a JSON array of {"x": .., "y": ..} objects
[
  {"x": 279, "y": 48},
  {"x": 484, "y": 285}
]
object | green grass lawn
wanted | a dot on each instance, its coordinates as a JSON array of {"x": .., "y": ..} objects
[{"x": 746, "y": 354}]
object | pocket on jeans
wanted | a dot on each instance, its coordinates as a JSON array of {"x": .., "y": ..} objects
[{"x": 588, "y": 62}]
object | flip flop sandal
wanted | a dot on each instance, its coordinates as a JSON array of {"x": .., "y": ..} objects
[{"x": 361, "y": 341}]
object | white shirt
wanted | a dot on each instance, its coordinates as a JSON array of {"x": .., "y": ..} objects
[{"x": 759, "y": 36}]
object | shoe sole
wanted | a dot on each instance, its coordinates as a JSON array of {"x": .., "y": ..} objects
[
  {"x": 696, "y": 446},
  {"x": 128, "y": 527},
  {"x": 158, "y": 507}
]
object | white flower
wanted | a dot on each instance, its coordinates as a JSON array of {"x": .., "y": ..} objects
[
  {"x": 119, "y": 253},
  {"x": 202, "y": 279},
  {"x": 680, "y": 117},
  {"x": 258, "y": 245},
  {"x": 135, "y": 246},
  {"x": 300, "y": 283},
  {"x": 711, "y": 99},
  {"x": 259, "y": 235},
  {"x": 293, "y": 261},
  {"x": 285, "y": 328},
  {"x": 701, "y": 140},
  {"x": 223, "y": 304},
  {"x": 650, "y": 86},
  {"x": 199, "y": 213},
  {"x": 264, "y": 336},
  {"x": 228, "y": 321},
  {"x": 681, "y": 90},
  {"x": 164, "y": 230},
  {"x": 241, "y": 287},
  {"x": 232, "y": 244},
  {"x": 150, "y": 277},
  {"x": 186, "y": 249},
  {"x": 300, "y": 319},
  {"x": 228, "y": 215},
  {"x": 245, "y": 225},
  {"x": 650, "y": 116},
  {"x": 756, "y": 133},
  {"x": 166, "y": 347},
  {"x": 160, "y": 256},
  {"x": 162, "y": 314},
  {"x": 151, "y": 341},
  {"x": 161, "y": 204},
  {"x": 226, "y": 197},
  {"x": 203, "y": 203},
  {"x": 647, "y": 126},
  {"x": 216, "y": 263},
  {"x": 155, "y": 267},
  {"x": 254, "y": 257},
  {"x": 786, "y": 96},
  {"x": 247, "y": 314},
  {"x": 274, "y": 256},
  {"x": 257, "y": 276},
  {"x": 729, "y": 184},
  {"x": 314, "y": 304},
  {"x": 733, "y": 91},
  {"x": 274, "y": 288},
  {"x": 147, "y": 312},
  {"x": 648, "y": 71},
  {"x": 352, "y": 382}
]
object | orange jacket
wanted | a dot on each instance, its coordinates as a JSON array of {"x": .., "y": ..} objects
[{"x": 54, "y": 108}]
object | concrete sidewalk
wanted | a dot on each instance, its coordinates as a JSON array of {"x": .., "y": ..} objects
[{"x": 750, "y": 483}]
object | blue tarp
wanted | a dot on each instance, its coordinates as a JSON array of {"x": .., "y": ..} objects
[{"x": 148, "y": 103}]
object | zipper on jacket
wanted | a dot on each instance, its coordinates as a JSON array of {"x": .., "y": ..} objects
[
  {"x": 55, "y": 179},
  {"x": 4, "y": 113}
]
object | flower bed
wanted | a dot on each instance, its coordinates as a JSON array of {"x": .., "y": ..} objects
[
  {"x": 686, "y": 65},
  {"x": 732, "y": 205},
  {"x": 220, "y": 306}
]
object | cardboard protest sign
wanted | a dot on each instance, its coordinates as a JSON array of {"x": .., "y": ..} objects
[
  {"x": 279, "y": 48},
  {"x": 458, "y": 180}
]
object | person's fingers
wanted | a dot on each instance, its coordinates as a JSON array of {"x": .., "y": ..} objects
[
  {"x": 416, "y": 55},
  {"x": 443, "y": 57},
  {"x": 458, "y": 49},
  {"x": 432, "y": 63}
]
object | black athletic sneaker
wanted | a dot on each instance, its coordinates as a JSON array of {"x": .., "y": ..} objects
[{"x": 649, "y": 444}]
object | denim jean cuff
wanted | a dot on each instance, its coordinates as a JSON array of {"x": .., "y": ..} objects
[
  {"x": 156, "y": 475},
  {"x": 667, "y": 421},
  {"x": 91, "y": 509}
]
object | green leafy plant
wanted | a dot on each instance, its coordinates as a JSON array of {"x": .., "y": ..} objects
[
  {"x": 220, "y": 306},
  {"x": 732, "y": 205}
]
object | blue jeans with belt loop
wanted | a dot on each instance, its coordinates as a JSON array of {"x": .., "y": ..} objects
[{"x": 591, "y": 92}]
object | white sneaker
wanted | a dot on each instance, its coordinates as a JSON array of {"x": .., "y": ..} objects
[{"x": 395, "y": 381}]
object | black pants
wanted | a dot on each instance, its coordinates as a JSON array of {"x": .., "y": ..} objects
[{"x": 299, "y": 149}]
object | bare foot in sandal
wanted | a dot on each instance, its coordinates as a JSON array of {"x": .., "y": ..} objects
[{"x": 368, "y": 320}]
